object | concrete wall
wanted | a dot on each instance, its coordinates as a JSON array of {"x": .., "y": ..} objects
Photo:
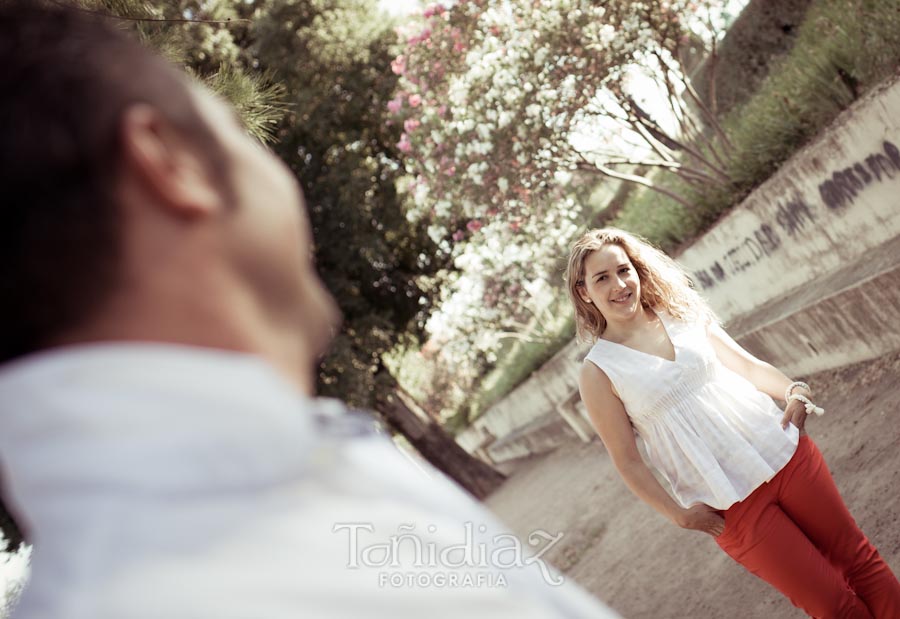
[
  {"x": 827, "y": 206},
  {"x": 805, "y": 273},
  {"x": 528, "y": 419},
  {"x": 805, "y": 270}
]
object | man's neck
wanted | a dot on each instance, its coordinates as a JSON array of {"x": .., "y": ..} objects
[{"x": 207, "y": 325}]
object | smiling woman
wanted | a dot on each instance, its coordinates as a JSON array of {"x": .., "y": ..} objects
[{"x": 662, "y": 370}]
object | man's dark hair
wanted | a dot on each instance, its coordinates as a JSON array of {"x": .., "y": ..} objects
[{"x": 66, "y": 77}]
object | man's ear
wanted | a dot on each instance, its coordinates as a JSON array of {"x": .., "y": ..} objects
[{"x": 166, "y": 164}]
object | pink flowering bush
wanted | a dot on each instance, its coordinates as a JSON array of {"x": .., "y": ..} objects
[
  {"x": 491, "y": 97},
  {"x": 498, "y": 88}
]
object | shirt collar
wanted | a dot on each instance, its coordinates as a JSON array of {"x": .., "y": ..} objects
[{"x": 135, "y": 417}]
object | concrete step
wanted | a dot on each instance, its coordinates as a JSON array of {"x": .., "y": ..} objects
[{"x": 837, "y": 319}]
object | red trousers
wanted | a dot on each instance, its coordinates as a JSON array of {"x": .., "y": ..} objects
[{"x": 795, "y": 533}]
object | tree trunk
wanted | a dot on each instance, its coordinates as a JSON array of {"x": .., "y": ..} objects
[{"x": 438, "y": 447}]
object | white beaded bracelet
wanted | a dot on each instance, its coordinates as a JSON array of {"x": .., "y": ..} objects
[
  {"x": 810, "y": 407},
  {"x": 790, "y": 388}
]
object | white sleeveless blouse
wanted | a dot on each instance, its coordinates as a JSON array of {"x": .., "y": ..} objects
[{"x": 708, "y": 431}]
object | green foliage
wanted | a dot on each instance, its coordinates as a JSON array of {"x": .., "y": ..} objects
[
  {"x": 843, "y": 48},
  {"x": 313, "y": 77},
  {"x": 338, "y": 141},
  {"x": 518, "y": 361},
  {"x": 207, "y": 38},
  {"x": 763, "y": 32},
  {"x": 257, "y": 98},
  {"x": 656, "y": 217}
]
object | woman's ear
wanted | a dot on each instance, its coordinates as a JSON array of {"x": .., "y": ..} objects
[{"x": 583, "y": 294}]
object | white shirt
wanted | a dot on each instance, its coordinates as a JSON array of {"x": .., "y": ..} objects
[
  {"x": 708, "y": 431},
  {"x": 178, "y": 482}
]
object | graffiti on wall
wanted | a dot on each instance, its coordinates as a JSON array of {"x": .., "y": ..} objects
[
  {"x": 795, "y": 215},
  {"x": 844, "y": 185}
]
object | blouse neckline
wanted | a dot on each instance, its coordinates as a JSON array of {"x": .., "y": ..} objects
[{"x": 665, "y": 325}]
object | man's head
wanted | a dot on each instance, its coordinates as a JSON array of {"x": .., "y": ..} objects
[{"x": 137, "y": 208}]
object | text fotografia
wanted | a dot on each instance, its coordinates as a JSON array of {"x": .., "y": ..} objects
[
  {"x": 466, "y": 580},
  {"x": 440, "y": 564}
]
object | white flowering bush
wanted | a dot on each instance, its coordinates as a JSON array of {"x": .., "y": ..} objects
[
  {"x": 14, "y": 568},
  {"x": 492, "y": 93},
  {"x": 500, "y": 289},
  {"x": 501, "y": 103}
]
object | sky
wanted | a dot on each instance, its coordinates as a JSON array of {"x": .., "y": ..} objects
[{"x": 400, "y": 7}]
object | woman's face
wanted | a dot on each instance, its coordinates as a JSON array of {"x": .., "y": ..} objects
[{"x": 611, "y": 283}]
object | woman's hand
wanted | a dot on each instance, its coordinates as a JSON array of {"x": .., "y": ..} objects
[
  {"x": 794, "y": 412},
  {"x": 701, "y": 517}
]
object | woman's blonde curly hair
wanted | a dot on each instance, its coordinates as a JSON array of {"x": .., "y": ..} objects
[{"x": 665, "y": 285}]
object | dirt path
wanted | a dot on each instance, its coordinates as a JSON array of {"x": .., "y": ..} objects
[{"x": 646, "y": 568}]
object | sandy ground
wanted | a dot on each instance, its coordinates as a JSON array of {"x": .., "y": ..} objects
[{"x": 643, "y": 566}]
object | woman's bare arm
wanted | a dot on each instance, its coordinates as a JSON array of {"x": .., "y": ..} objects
[
  {"x": 611, "y": 422},
  {"x": 764, "y": 376}
]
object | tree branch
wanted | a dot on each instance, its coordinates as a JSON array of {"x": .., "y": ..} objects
[
  {"x": 589, "y": 166},
  {"x": 106, "y": 15}
]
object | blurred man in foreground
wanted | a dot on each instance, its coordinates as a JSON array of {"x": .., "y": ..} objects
[{"x": 161, "y": 326}]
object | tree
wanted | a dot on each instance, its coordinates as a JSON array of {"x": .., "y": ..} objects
[
  {"x": 334, "y": 61},
  {"x": 505, "y": 104},
  {"x": 314, "y": 76},
  {"x": 497, "y": 99},
  {"x": 206, "y": 38}
]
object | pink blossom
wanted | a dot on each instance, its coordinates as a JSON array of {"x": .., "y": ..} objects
[
  {"x": 451, "y": 171},
  {"x": 442, "y": 110},
  {"x": 395, "y": 105},
  {"x": 415, "y": 100},
  {"x": 418, "y": 38},
  {"x": 458, "y": 47},
  {"x": 411, "y": 124},
  {"x": 474, "y": 225},
  {"x": 434, "y": 9},
  {"x": 398, "y": 65},
  {"x": 404, "y": 144},
  {"x": 459, "y": 235}
]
